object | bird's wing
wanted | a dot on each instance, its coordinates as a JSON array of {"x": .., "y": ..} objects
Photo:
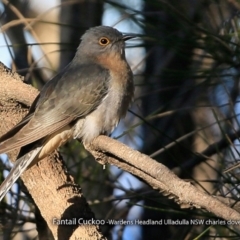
[
  {"x": 22, "y": 123},
  {"x": 16, "y": 128},
  {"x": 70, "y": 95}
]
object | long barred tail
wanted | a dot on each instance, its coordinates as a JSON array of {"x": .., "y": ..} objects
[{"x": 19, "y": 166}]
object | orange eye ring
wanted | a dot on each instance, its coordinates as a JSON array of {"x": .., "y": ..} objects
[{"x": 103, "y": 41}]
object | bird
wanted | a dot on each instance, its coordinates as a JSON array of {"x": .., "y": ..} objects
[{"x": 84, "y": 100}]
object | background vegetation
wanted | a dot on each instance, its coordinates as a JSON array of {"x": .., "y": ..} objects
[{"x": 185, "y": 112}]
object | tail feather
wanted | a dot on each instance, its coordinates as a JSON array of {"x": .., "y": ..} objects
[{"x": 19, "y": 167}]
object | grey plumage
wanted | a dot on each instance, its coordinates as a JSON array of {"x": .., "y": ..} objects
[{"x": 86, "y": 99}]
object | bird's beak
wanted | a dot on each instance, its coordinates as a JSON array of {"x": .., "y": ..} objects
[{"x": 127, "y": 37}]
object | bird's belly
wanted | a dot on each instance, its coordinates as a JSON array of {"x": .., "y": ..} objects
[{"x": 103, "y": 120}]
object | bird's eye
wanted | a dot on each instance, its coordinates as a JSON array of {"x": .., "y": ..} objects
[{"x": 103, "y": 41}]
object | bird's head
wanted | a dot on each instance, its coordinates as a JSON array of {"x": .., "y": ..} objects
[{"x": 103, "y": 42}]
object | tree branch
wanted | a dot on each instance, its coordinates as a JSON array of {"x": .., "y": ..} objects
[{"x": 158, "y": 176}]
